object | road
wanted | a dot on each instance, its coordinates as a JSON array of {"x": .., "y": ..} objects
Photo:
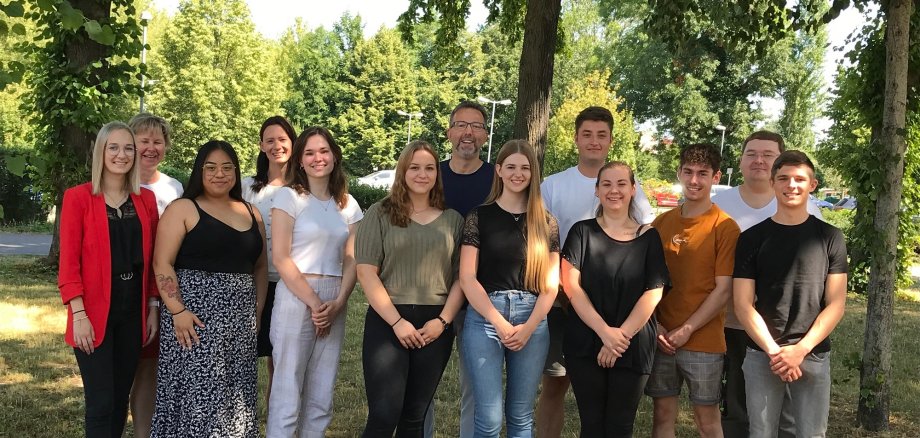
[{"x": 24, "y": 244}]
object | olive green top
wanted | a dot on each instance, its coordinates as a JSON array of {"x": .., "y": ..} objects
[{"x": 418, "y": 263}]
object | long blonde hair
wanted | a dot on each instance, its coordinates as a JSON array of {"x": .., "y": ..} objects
[
  {"x": 132, "y": 179},
  {"x": 397, "y": 204},
  {"x": 536, "y": 267}
]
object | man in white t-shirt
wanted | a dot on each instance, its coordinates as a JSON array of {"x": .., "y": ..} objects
[
  {"x": 569, "y": 196},
  {"x": 749, "y": 204}
]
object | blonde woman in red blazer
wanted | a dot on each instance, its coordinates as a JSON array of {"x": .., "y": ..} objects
[{"x": 105, "y": 277}]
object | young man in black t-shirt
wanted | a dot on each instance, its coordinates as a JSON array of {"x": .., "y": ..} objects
[{"x": 789, "y": 294}]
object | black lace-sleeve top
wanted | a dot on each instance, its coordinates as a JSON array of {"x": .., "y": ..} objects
[
  {"x": 500, "y": 237},
  {"x": 125, "y": 239}
]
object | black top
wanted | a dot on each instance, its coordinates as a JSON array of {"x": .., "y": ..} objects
[
  {"x": 463, "y": 192},
  {"x": 214, "y": 246},
  {"x": 125, "y": 238},
  {"x": 790, "y": 264},
  {"x": 500, "y": 237},
  {"x": 614, "y": 275}
]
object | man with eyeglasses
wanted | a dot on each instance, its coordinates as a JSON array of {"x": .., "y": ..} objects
[
  {"x": 467, "y": 181},
  {"x": 749, "y": 204},
  {"x": 569, "y": 196}
]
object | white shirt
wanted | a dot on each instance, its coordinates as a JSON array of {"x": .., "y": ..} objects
[
  {"x": 745, "y": 216},
  {"x": 166, "y": 189},
  {"x": 320, "y": 230},
  {"x": 569, "y": 196},
  {"x": 263, "y": 200}
]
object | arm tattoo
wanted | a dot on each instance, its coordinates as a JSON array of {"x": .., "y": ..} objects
[{"x": 168, "y": 285}]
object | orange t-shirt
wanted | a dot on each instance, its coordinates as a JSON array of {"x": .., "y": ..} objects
[{"x": 697, "y": 250}]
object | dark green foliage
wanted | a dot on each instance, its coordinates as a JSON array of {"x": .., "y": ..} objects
[
  {"x": 19, "y": 200},
  {"x": 365, "y": 195}
]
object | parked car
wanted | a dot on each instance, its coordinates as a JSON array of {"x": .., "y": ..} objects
[
  {"x": 382, "y": 179},
  {"x": 666, "y": 199},
  {"x": 848, "y": 203},
  {"x": 820, "y": 203}
]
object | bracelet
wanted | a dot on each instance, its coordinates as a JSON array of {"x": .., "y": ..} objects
[
  {"x": 397, "y": 322},
  {"x": 446, "y": 324},
  {"x": 183, "y": 310},
  {"x": 74, "y": 312},
  {"x": 153, "y": 303}
]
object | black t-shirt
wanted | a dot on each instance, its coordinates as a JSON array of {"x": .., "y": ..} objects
[
  {"x": 790, "y": 264},
  {"x": 463, "y": 192},
  {"x": 499, "y": 235},
  {"x": 614, "y": 275}
]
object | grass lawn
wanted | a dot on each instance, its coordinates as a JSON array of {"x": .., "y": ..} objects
[{"x": 41, "y": 394}]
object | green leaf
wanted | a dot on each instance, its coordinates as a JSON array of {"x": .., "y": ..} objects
[
  {"x": 1, "y": 212},
  {"x": 18, "y": 29},
  {"x": 92, "y": 28},
  {"x": 14, "y": 9},
  {"x": 4, "y": 29},
  {"x": 46, "y": 5},
  {"x": 71, "y": 18},
  {"x": 16, "y": 164}
]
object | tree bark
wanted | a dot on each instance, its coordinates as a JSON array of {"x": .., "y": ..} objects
[
  {"x": 81, "y": 52},
  {"x": 535, "y": 72},
  {"x": 875, "y": 374}
]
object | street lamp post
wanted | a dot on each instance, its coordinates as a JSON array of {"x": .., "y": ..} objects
[
  {"x": 492, "y": 122},
  {"x": 145, "y": 18},
  {"x": 722, "y": 146},
  {"x": 410, "y": 116}
]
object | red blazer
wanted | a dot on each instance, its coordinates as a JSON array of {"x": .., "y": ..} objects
[{"x": 86, "y": 259}]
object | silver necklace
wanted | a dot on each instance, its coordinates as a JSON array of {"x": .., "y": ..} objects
[{"x": 517, "y": 217}]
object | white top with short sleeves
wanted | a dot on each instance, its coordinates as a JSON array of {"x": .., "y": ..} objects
[
  {"x": 320, "y": 230},
  {"x": 167, "y": 189},
  {"x": 263, "y": 200}
]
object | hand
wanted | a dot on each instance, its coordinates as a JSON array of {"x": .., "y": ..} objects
[
  {"x": 83, "y": 334},
  {"x": 787, "y": 358},
  {"x": 432, "y": 330},
  {"x": 519, "y": 338},
  {"x": 606, "y": 358},
  {"x": 408, "y": 336},
  {"x": 153, "y": 324},
  {"x": 504, "y": 330},
  {"x": 679, "y": 336},
  {"x": 321, "y": 332},
  {"x": 793, "y": 375},
  {"x": 327, "y": 313},
  {"x": 663, "y": 343},
  {"x": 614, "y": 339},
  {"x": 185, "y": 323}
]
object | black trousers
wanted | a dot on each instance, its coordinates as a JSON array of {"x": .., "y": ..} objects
[
  {"x": 400, "y": 383},
  {"x": 734, "y": 408},
  {"x": 607, "y": 398},
  {"x": 109, "y": 371}
]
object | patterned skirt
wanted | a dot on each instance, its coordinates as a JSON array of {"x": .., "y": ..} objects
[{"x": 210, "y": 390}]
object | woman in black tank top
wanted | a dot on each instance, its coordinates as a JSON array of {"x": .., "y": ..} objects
[{"x": 212, "y": 274}]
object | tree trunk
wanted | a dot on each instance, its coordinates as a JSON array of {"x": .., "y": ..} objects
[
  {"x": 81, "y": 52},
  {"x": 875, "y": 375},
  {"x": 536, "y": 72}
]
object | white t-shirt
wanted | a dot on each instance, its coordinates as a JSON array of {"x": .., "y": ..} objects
[
  {"x": 569, "y": 196},
  {"x": 745, "y": 216},
  {"x": 320, "y": 230},
  {"x": 167, "y": 189},
  {"x": 263, "y": 201}
]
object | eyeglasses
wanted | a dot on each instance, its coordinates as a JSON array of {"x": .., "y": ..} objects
[
  {"x": 764, "y": 156},
  {"x": 211, "y": 169},
  {"x": 114, "y": 149},
  {"x": 462, "y": 125}
]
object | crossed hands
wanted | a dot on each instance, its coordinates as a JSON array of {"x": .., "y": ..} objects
[
  {"x": 514, "y": 337},
  {"x": 324, "y": 314},
  {"x": 410, "y": 337},
  {"x": 670, "y": 341},
  {"x": 786, "y": 362},
  {"x": 615, "y": 344}
]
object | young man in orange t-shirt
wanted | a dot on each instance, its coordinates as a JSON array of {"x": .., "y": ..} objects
[{"x": 699, "y": 247}]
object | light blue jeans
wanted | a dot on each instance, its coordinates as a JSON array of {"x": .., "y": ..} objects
[
  {"x": 485, "y": 357},
  {"x": 810, "y": 395}
]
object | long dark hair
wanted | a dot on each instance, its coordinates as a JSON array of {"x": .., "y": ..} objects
[
  {"x": 296, "y": 176},
  {"x": 195, "y": 185},
  {"x": 261, "y": 177}
]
